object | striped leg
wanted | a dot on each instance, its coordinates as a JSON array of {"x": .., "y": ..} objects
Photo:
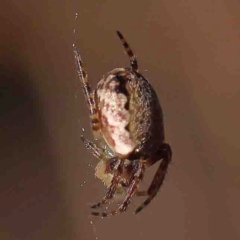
[
  {"x": 89, "y": 94},
  {"x": 132, "y": 189},
  {"x": 92, "y": 147},
  {"x": 118, "y": 168},
  {"x": 129, "y": 52},
  {"x": 166, "y": 156}
]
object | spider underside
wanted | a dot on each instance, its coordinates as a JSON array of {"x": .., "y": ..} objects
[{"x": 127, "y": 124}]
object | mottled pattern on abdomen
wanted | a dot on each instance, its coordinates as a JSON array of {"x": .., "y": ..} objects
[{"x": 113, "y": 113}]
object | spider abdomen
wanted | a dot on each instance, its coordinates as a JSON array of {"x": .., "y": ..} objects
[
  {"x": 129, "y": 112},
  {"x": 114, "y": 115}
]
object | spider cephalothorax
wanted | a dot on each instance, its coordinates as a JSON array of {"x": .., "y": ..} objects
[{"x": 127, "y": 124}]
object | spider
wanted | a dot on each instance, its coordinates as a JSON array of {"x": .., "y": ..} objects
[{"x": 127, "y": 124}]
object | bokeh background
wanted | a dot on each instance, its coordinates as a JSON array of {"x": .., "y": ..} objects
[{"x": 191, "y": 51}]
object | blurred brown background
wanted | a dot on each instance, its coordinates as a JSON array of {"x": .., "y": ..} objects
[{"x": 191, "y": 50}]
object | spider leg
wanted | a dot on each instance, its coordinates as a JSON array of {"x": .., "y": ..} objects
[
  {"x": 166, "y": 155},
  {"x": 118, "y": 168},
  {"x": 92, "y": 147},
  {"x": 129, "y": 52},
  {"x": 141, "y": 193},
  {"x": 137, "y": 177},
  {"x": 147, "y": 163},
  {"x": 89, "y": 94}
]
